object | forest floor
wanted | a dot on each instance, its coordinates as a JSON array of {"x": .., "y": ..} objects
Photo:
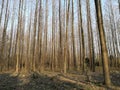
[{"x": 57, "y": 81}]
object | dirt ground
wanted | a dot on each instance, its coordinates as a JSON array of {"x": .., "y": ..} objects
[{"x": 56, "y": 81}]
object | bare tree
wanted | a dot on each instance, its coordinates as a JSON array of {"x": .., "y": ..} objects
[
  {"x": 4, "y": 35},
  {"x": 82, "y": 48},
  {"x": 73, "y": 36},
  {"x": 34, "y": 36},
  {"x": 18, "y": 39},
  {"x": 90, "y": 37},
  {"x": 11, "y": 34},
  {"x": 103, "y": 42}
]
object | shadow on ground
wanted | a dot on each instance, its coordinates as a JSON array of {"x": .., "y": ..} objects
[
  {"x": 41, "y": 82},
  {"x": 99, "y": 79},
  {"x": 8, "y": 82}
]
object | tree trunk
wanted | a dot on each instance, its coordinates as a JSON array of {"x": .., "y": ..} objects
[
  {"x": 90, "y": 37},
  {"x": 82, "y": 38},
  {"x": 103, "y": 43}
]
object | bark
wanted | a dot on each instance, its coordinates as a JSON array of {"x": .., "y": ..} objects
[
  {"x": 66, "y": 37},
  {"x": 34, "y": 37},
  {"x": 11, "y": 35},
  {"x": 90, "y": 37},
  {"x": 17, "y": 49},
  {"x": 53, "y": 36},
  {"x": 103, "y": 43},
  {"x": 82, "y": 38},
  {"x": 60, "y": 36},
  {"x": 73, "y": 37}
]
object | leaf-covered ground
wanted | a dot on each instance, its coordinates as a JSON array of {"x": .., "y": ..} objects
[
  {"x": 56, "y": 81},
  {"x": 41, "y": 82}
]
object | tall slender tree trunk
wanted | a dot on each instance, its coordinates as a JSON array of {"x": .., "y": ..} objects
[
  {"x": 60, "y": 37},
  {"x": 66, "y": 37},
  {"x": 17, "y": 49},
  {"x": 27, "y": 61},
  {"x": 11, "y": 35},
  {"x": 53, "y": 36},
  {"x": 79, "y": 31},
  {"x": 73, "y": 37},
  {"x": 45, "y": 57},
  {"x": 103, "y": 43},
  {"x": 4, "y": 38},
  {"x": 82, "y": 38},
  {"x": 90, "y": 37},
  {"x": 34, "y": 37}
]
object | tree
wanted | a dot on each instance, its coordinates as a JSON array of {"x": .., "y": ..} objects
[
  {"x": 18, "y": 39},
  {"x": 103, "y": 42},
  {"x": 60, "y": 36},
  {"x": 53, "y": 36},
  {"x": 66, "y": 36},
  {"x": 73, "y": 36},
  {"x": 34, "y": 36},
  {"x": 4, "y": 35},
  {"x": 27, "y": 61},
  {"x": 90, "y": 37},
  {"x": 11, "y": 34},
  {"x": 45, "y": 33},
  {"x": 82, "y": 48}
]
